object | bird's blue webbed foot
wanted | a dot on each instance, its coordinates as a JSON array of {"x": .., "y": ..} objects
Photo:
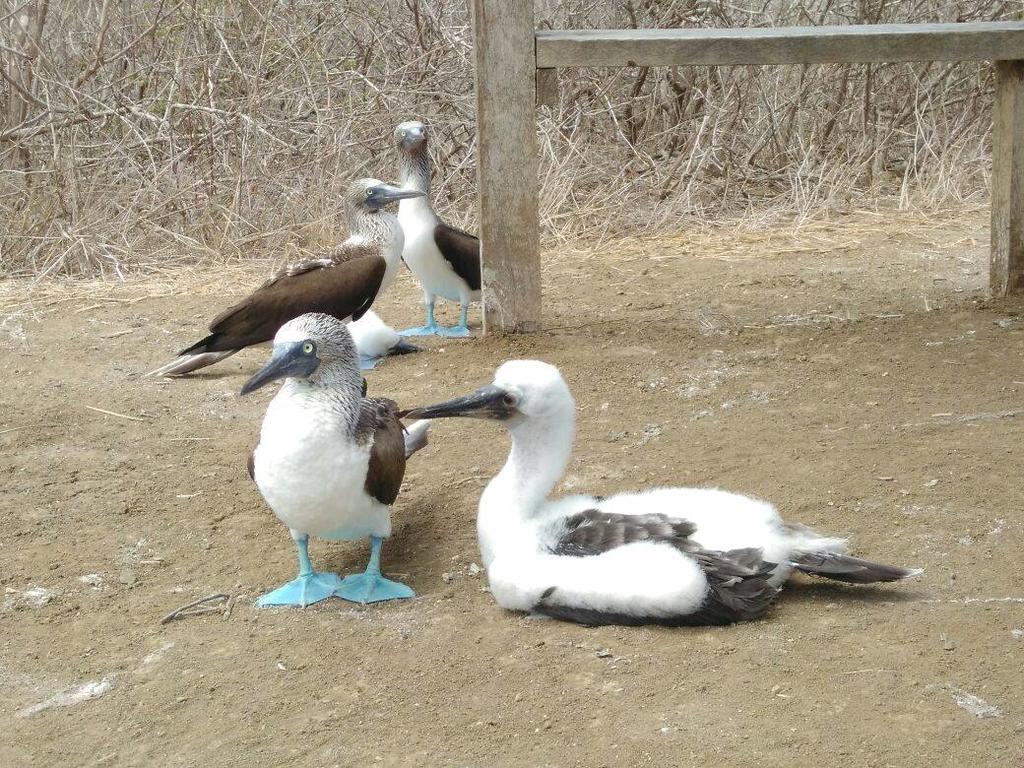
[
  {"x": 460, "y": 331},
  {"x": 423, "y": 330},
  {"x": 372, "y": 587},
  {"x": 430, "y": 329},
  {"x": 305, "y": 590},
  {"x": 455, "y": 332},
  {"x": 368, "y": 363}
]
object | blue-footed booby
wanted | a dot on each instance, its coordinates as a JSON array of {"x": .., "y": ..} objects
[
  {"x": 674, "y": 556},
  {"x": 343, "y": 282},
  {"x": 330, "y": 461},
  {"x": 445, "y": 260}
]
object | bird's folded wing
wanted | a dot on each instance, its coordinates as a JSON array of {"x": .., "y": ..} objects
[
  {"x": 378, "y": 421},
  {"x": 739, "y": 586},
  {"x": 592, "y": 532},
  {"x": 462, "y": 251},
  {"x": 344, "y": 290}
]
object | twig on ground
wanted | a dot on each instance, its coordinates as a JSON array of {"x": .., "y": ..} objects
[
  {"x": 202, "y": 604},
  {"x": 115, "y": 413}
]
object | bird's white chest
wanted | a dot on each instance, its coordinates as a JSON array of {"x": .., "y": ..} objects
[
  {"x": 425, "y": 260},
  {"x": 312, "y": 473}
]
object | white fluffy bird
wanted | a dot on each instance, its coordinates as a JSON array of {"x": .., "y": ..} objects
[
  {"x": 376, "y": 340},
  {"x": 675, "y": 556}
]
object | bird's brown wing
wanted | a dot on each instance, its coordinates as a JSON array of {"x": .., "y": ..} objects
[
  {"x": 462, "y": 251},
  {"x": 378, "y": 421},
  {"x": 344, "y": 289},
  {"x": 339, "y": 254}
]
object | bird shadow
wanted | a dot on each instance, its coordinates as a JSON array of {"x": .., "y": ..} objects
[
  {"x": 206, "y": 376},
  {"x": 422, "y": 540},
  {"x": 806, "y": 590}
]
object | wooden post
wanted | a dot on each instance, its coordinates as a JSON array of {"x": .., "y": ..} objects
[
  {"x": 507, "y": 168},
  {"x": 1006, "y": 274}
]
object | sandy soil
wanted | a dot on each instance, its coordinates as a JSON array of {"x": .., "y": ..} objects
[{"x": 852, "y": 373}]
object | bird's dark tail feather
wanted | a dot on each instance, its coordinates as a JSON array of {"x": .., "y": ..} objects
[
  {"x": 852, "y": 570},
  {"x": 200, "y": 347}
]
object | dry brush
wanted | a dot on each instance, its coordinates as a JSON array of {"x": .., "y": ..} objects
[{"x": 141, "y": 132}]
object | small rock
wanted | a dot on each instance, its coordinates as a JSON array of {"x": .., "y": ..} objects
[
  {"x": 474, "y": 569},
  {"x": 93, "y": 580},
  {"x": 603, "y": 653},
  {"x": 37, "y": 597},
  {"x": 651, "y": 431},
  {"x": 127, "y": 577},
  {"x": 931, "y": 483},
  {"x": 947, "y": 644},
  {"x": 447, "y": 577},
  {"x": 976, "y": 705},
  {"x": 1017, "y": 633},
  {"x": 1006, "y": 322},
  {"x": 614, "y": 436}
]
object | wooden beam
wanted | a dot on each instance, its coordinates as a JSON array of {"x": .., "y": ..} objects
[
  {"x": 780, "y": 45},
  {"x": 547, "y": 87},
  {"x": 507, "y": 166},
  {"x": 1006, "y": 275}
]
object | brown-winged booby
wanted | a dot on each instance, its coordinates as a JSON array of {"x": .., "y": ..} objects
[
  {"x": 445, "y": 260},
  {"x": 343, "y": 282},
  {"x": 330, "y": 461}
]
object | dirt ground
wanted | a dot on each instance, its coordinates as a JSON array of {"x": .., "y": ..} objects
[{"x": 852, "y": 373}]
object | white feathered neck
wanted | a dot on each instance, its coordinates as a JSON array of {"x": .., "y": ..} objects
[
  {"x": 379, "y": 228},
  {"x": 516, "y": 498}
]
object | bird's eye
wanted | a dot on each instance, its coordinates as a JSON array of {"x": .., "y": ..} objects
[
  {"x": 402, "y": 133},
  {"x": 307, "y": 348},
  {"x": 369, "y": 192},
  {"x": 508, "y": 399}
]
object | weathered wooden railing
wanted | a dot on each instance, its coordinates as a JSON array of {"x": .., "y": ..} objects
[{"x": 515, "y": 63}]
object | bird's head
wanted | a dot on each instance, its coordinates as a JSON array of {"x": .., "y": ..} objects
[
  {"x": 522, "y": 391},
  {"x": 411, "y": 135},
  {"x": 370, "y": 195},
  {"x": 306, "y": 348}
]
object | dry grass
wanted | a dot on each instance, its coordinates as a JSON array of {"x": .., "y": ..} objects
[{"x": 148, "y": 133}]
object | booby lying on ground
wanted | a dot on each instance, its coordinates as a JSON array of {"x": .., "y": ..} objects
[
  {"x": 343, "y": 282},
  {"x": 329, "y": 461},
  {"x": 376, "y": 340},
  {"x": 675, "y": 556},
  {"x": 445, "y": 260}
]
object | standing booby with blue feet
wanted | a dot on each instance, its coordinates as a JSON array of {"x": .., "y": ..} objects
[
  {"x": 343, "y": 282},
  {"x": 674, "y": 556},
  {"x": 329, "y": 461},
  {"x": 445, "y": 260}
]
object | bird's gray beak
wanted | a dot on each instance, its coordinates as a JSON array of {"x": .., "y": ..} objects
[
  {"x": 288, "y": 360},
  {"x": 490, "y": 402},
  {"x": 386, "y": 193}
]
